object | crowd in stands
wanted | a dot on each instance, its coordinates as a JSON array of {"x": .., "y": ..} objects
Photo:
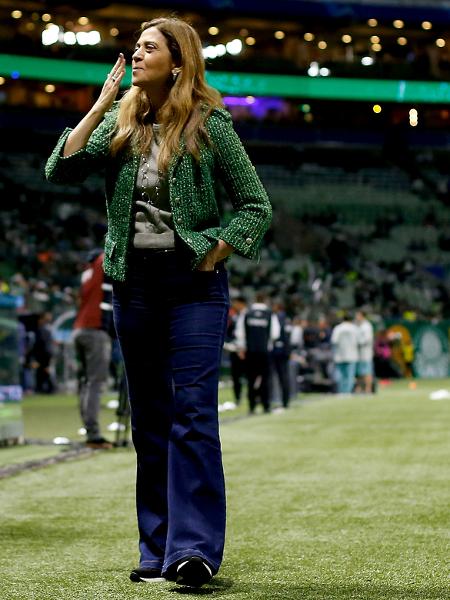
[{"x": 341, "y": 238}]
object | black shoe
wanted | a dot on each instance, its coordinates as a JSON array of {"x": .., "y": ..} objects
[
  {"x": 148, "y": 575},
  {"x": 193, "y": 572}
]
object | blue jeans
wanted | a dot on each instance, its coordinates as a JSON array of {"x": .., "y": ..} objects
[
  {"x": 345, "y": 377},
  {"x": 171, "y": 325}
]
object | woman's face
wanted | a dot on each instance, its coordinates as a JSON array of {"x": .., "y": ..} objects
[{"x": 152, "y": 62}]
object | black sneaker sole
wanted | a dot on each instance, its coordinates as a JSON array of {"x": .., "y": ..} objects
[
  {"x": 193, "y": 572},
  {"x": 147, "y": 576}
]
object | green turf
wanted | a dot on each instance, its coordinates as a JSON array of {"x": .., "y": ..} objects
[
  {"x": 337, "y": 498},
  {"x": 49, "y": 416},
  {"x": 21, "y": 454}
]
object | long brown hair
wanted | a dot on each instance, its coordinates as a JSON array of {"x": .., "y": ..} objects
[{"x": 189, "y": 102}]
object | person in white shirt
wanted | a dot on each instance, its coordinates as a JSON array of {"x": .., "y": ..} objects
[
  {"x": 344, "y": 341},
  {"x": 364, "y": 368}
]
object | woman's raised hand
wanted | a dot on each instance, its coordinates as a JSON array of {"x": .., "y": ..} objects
[
  {"x": 79, "y": 137},
  {"x": 111, "y": 86}
]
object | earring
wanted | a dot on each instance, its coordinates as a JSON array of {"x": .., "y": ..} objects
[{"x": 175, "y": 73}]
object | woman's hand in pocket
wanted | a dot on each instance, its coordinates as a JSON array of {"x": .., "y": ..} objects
[{"x": 220, "y": 251}]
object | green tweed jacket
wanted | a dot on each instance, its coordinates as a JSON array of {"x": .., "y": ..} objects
[{"x": 192, "y": 191}]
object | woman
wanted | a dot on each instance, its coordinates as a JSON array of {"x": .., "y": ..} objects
[{"x": 164, "y": 145}]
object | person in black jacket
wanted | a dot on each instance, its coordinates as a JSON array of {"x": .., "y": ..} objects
[
  {"x": 256, "y": 331},
  {"x": 42, "y": 354},
  {"x": 281, "y": 352}
]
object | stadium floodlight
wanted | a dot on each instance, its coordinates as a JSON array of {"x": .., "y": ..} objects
[
  {"x": 94, "y": 37},
  {"x": 313, "y": 70},
  {"x": 413, "y": 117},
  {"x": 367, "y": 61},
  {"x": 83, "y": 38},
  {"x": 234, "y": 47},
  {"x": 221, "y": 49},
  {"x": 324, "y": 72},
  {"x": 210, "y": 52},
  {"x": 70, "y": 39},
  {"x": 50, "y": 35}
]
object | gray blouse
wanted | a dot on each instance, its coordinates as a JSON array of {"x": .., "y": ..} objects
[{"x": 153, "y": 226}]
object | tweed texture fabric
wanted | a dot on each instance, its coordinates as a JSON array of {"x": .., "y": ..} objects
[{"x": 192, "y": 191}]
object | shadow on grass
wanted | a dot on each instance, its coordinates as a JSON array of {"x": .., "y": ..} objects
[
  {"x": 263, "y": 591},
  {"x": 217, "y": 587}
]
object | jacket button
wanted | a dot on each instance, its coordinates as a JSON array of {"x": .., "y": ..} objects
[
  {"x": 248, "y": 241},
  {"x": 177, "y": 200},
  {"x": 174, "y": 179},
  {"x": 188, "y": 240},
  {"x": 179, "y": 220}
]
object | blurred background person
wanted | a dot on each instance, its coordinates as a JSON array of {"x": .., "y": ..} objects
[
  {"x": 364, "y": 368},
  {"x": 281, "y": 352},
  {"x": 42, "y": 353},
  {"x": 344, "y": 341},
  {"x": 237, "y": 364},
  {"x": 256, "y": 331},
  {"x": 92, "y": 340}
]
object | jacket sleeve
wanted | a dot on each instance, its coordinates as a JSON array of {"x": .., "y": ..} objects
[
  {"x": 252, "y": 209},
  {"x": 77, "y": 166}
]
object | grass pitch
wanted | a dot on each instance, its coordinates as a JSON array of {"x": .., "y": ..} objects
[{"x": 336, "y": 498}]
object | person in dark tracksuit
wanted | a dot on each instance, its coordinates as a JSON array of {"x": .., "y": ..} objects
[
  {"x": 281, "y": 352},
  {"x": 256, "y": 331}
]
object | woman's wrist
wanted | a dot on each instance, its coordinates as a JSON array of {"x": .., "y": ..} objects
[
  {"x": 222, "y": 250},
  {"x": 219, "y": 252}
]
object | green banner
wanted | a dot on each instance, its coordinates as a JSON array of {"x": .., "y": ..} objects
[{"x": 53, "y": 70}]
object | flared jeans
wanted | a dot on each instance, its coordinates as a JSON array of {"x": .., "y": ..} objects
[{"x": 171, "y": 324}]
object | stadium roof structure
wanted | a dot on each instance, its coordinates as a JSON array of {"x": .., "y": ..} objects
[{"x": 437, "y": 10}]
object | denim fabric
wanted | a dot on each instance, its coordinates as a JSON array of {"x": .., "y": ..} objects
[
  {"x": 345, "y": 377},
  {"x": 171, "y": 325}
]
